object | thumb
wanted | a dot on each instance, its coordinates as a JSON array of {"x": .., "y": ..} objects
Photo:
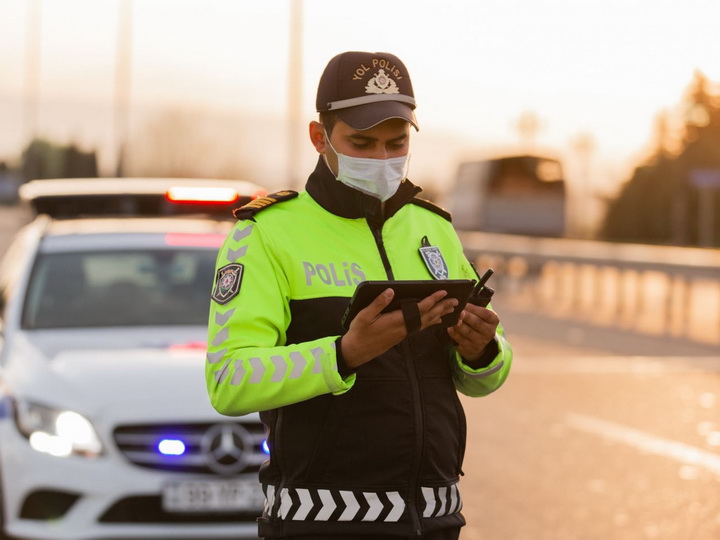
[{"x": 374, "y": 308}]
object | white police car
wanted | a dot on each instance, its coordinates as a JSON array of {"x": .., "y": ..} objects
[{"x": 106, "y": 430}]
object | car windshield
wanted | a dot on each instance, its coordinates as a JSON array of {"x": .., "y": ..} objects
[{"x": 120, "y": 288}]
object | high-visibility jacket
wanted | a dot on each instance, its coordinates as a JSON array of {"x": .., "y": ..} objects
[{"x": 376, "y": 451}]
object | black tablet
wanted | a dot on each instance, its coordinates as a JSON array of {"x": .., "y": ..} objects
[{"x": 367, "y": 291}]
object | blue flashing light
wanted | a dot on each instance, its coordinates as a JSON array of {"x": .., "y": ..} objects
[
  {"x": 265, "y": 447},
  {"x": 171, "y": 447}
]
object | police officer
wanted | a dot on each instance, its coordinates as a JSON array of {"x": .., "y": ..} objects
[{"x": 365, "y": 428}]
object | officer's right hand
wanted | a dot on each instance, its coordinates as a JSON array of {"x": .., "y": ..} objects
[{"x": 371, "y": 332}]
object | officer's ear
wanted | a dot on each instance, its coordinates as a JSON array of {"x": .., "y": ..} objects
[{"x": 317, "y": 137}]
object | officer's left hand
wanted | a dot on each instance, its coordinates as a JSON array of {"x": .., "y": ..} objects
[{"x": 474, "y": 330}]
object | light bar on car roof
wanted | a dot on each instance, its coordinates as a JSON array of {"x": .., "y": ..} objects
[
  {"x": 64, "y": 198},
  {"x": 194, "y": 239},
  {"x": 202, "y": 195}
]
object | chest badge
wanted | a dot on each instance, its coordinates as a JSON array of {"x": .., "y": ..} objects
[
  {"x": 433, "y": 260},
  {"x": 228, "y": 282}
]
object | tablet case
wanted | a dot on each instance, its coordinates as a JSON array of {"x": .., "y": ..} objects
[{"x": 412, "y": 290}]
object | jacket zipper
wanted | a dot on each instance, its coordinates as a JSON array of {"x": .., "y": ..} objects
[
  {"x": 417, "y": 408},
  {"x": 275, "y": 510},
  {"x": 419, "y": 439},
  {"x": 377, "y": 235}
]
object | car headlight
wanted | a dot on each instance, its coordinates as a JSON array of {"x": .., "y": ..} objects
[{"x": 56, "y": 432}]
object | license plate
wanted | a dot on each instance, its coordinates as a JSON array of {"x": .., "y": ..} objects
[{"x": 213, "y": 496}]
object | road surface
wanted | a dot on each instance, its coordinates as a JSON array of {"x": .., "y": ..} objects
[{"x": 597, "y": 434}]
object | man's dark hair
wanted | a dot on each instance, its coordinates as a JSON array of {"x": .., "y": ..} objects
[{"x": 328, "y": 119}]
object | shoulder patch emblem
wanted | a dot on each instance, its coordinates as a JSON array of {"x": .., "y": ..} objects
[
  {"x": 253, "y": 207},
  {"x": 434, "y": 261},
  {"x": 228, "y": 282}
]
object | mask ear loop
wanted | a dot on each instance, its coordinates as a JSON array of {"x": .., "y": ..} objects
[{"x": 324, "y": 156}]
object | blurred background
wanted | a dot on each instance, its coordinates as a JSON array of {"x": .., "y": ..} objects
[
  {"x": 616, "y": 90},
  {"x": 587, "y": 135}
]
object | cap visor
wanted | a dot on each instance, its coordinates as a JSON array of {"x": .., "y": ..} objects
[{"x": 370, "y": 115}]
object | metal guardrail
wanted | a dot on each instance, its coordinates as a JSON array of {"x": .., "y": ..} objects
[{"x": 661, "y": 290}]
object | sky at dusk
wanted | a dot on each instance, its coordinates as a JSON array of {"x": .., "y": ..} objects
[{"x": 591, "y": 70}]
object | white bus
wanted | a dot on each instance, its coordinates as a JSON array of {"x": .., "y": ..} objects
[{"x": 515, "y": 194}]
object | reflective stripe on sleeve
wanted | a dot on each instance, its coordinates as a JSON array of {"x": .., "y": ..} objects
[{"x": 478, "y": 375}]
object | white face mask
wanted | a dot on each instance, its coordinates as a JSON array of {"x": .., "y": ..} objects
[{"x": 379, "y": 178}]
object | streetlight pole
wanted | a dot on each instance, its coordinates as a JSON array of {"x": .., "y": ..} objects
[
  {"x": 295, "y": 82},
  {"x": 123, "y": 79},
  {"x": 32, "y": 74}
]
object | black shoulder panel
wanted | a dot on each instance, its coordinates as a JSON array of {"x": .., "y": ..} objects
[
  {"x": 432, "y": 207},
  {"x": 253, "y": 207}
]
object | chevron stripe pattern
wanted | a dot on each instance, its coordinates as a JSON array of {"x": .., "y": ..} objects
[
  {"x": 300, "y": 504},
  {"x": 441, "y": 501}
]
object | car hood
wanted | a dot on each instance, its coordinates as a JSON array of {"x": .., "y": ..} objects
[{"x": 147, "y": 383}]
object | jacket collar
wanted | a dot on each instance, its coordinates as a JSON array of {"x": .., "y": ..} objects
[{"x": 344, "y": 201}]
